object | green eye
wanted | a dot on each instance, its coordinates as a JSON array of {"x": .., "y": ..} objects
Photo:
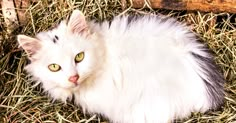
[
  {"x": 54, "y": 67},
  {"x": 79, "y": 57}
]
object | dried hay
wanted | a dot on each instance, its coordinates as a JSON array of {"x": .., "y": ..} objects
[{"x": 20, "y": 102}]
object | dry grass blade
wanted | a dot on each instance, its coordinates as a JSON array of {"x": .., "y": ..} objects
[{"x": 19, "y": 102}]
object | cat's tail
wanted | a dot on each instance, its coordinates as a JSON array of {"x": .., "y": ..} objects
[{"x": 209, "y": 72}]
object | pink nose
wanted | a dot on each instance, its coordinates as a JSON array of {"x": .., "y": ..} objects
[{"x": 74, "y": 78}]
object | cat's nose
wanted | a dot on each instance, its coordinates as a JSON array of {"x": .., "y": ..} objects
[{"x": 74, "y": 78}]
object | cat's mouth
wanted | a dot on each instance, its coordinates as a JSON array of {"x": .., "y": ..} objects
[
  {"x": 69, "y": 85},
  {"x": 75, "y": 84}
]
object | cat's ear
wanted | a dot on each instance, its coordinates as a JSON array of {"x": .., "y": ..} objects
[
  {"x": 77, "y": 22},
  {"x": 30, "y": 45}
]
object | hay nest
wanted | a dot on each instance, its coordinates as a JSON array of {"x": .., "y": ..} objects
[{"x": 20, "y": 102}]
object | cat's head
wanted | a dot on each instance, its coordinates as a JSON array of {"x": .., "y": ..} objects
[{"x": 64, "y": 57}]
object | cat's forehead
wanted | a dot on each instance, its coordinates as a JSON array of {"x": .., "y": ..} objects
[
  {"x": 56, "y": 36},
  {"x": 54, "y": 33},
  {"x": 58, "y": 41},
  {"x": 60, "y": 54},
  {"x": 59, "y": 30}
]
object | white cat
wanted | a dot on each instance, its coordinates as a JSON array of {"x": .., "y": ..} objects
[{"x": 146, "y": 69}]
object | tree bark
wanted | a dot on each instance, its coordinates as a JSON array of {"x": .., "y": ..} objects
[
  {"x": 22, "y": 13},
  {"x": 199, "y": 5}
]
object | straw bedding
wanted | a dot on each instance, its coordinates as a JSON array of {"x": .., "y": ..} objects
[{"x": 20, "y": 102}]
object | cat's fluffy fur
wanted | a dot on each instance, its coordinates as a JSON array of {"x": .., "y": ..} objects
[{"x": 145, "y": 69}]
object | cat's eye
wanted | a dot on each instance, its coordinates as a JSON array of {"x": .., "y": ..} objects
[
  {"x": 54, "y": 67},
  {"x": 79, "y": 57}
]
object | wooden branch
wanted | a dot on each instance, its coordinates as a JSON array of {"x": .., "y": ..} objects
[
  {"x": 10, "y": 16},
  {"x": 200, "y": 5}
]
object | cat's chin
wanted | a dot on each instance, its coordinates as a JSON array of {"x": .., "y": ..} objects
[{"x": 63, "y": 93}]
